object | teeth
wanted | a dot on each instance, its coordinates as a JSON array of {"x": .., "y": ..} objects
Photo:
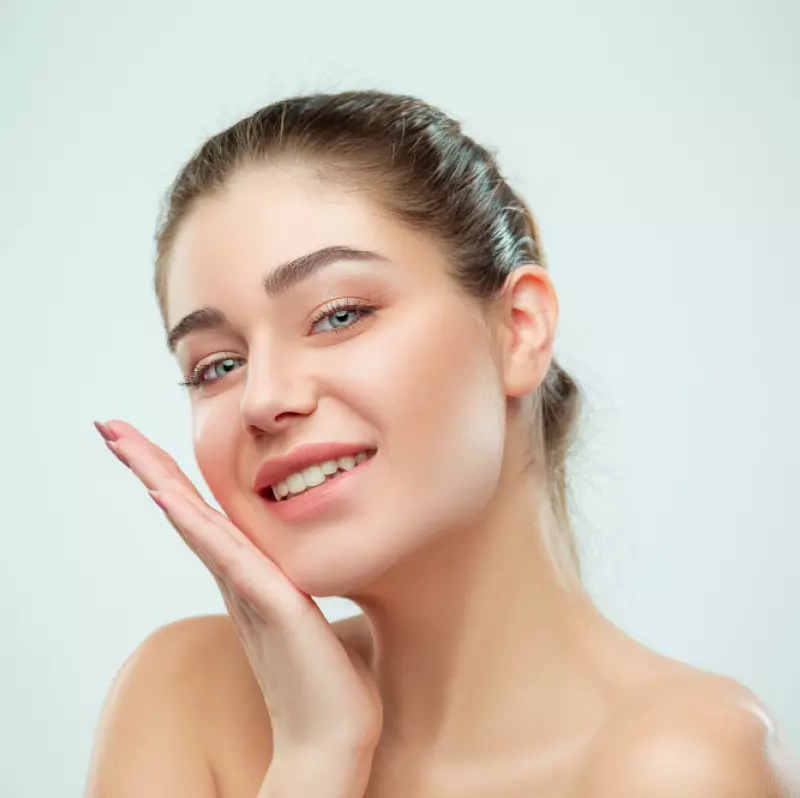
[{"x": 315, "y": 475}]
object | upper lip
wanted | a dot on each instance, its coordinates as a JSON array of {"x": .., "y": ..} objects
[{"x": 276, "y": 469}]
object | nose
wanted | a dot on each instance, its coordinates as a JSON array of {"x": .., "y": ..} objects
[{"x": 276, "y": 392}]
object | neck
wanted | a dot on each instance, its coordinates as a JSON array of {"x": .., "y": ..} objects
[{"x": 479, "y": 646}]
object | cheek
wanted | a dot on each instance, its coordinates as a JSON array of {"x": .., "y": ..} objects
[
  {"x": 214, "y": 451},
  {"x": 442, "y": 415}
]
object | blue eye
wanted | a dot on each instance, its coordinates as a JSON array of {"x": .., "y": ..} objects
[{"x": 339, "y": 308}]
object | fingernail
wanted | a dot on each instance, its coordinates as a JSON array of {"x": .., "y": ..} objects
[
  {"x": 113, "y": 449},
  {"x": 157, "y": 499},
  {"x": 105, "y": 431}
]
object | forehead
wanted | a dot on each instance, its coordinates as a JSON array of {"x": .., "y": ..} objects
[{"x": 269, "y": 215}]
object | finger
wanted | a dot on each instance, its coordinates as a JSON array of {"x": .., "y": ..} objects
[
  {"x": 243, "y": 567},
  {"x": 158, "y": 475},
  {"x": 154, "y": 467},
  {"x": 121, "y": 429},
  {"x": 217, "y": 552},
  {"x": 241, "y": 614},
  {"x": 159, "y": 472},
  {"x": 186, "y": 539}
]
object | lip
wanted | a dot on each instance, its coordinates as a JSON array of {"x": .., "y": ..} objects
[
  {"x": 313, "y": 502},
  {"x": 277, "y": 469}
]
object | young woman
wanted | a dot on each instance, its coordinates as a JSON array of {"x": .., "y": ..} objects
[{"x": 360, "y": 306}]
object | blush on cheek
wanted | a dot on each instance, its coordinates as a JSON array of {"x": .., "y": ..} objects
[{"x": 215, "y": 450}]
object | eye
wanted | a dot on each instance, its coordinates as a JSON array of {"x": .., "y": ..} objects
[
  {"x": 195, "y": 380},
  {"x": 342, "y": 307},
  {"x": 333, "y": 311}
]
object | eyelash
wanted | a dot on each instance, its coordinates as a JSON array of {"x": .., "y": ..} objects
[{"x": 195, "y": 380}]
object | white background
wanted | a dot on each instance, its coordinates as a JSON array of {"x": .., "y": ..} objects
[{"x": 657, "y": 144}]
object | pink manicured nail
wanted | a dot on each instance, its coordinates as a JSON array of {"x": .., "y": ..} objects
[
  {"x": 113, "y": 449},
  {"x": 157, "y": 499},
  {"x": 105, "y": 431}
]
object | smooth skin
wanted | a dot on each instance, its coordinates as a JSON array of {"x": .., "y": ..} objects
[{"x": 475, "y": 668}]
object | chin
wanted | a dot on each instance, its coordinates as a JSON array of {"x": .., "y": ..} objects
[{"x": 324, "y": 574}]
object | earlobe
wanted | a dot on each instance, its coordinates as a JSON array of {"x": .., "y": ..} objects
[{"x": 531, "y": 314}]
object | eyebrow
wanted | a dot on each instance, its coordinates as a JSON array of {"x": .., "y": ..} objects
[{"x": 277, "y": 282}]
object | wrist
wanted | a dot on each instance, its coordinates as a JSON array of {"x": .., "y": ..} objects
[{"x": 316, "y": 774}]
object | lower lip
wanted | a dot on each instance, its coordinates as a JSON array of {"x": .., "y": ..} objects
[{"x": 315, "y": 501}]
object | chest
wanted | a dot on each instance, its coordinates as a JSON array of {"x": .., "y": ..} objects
[{"x": 241, "y": 761}]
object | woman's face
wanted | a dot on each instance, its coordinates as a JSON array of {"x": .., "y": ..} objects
[{"x": 415, "y": 378}]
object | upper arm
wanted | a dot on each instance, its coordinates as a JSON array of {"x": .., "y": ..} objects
[
  {"x": 146, "y": 743},
  {"x": 713, "y": 740}
]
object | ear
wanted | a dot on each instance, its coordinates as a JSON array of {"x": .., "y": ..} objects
[{"x": 527, "y": 320}]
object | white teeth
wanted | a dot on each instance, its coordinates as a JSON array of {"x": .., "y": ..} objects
[{"x": 315, "y": 475}]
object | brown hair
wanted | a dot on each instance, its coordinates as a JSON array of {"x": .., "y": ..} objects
[{"x": 416, "y": 161}]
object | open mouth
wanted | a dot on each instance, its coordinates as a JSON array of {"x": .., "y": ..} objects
[{"x": 269, "y": 496}]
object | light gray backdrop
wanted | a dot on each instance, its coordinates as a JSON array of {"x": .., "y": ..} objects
[{"x": 657, "y": 145}]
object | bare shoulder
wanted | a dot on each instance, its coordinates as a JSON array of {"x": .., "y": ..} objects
[
  {"x": 183, "y": 659},
  {"x": 702, "y": 734},
  {"x": 146, "y": 737},
  {"x": 168, "y": 662},
  {"x": 226, "y": 708}
]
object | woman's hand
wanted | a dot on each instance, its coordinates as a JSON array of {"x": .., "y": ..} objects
[{"x": 319, "y": 692}]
